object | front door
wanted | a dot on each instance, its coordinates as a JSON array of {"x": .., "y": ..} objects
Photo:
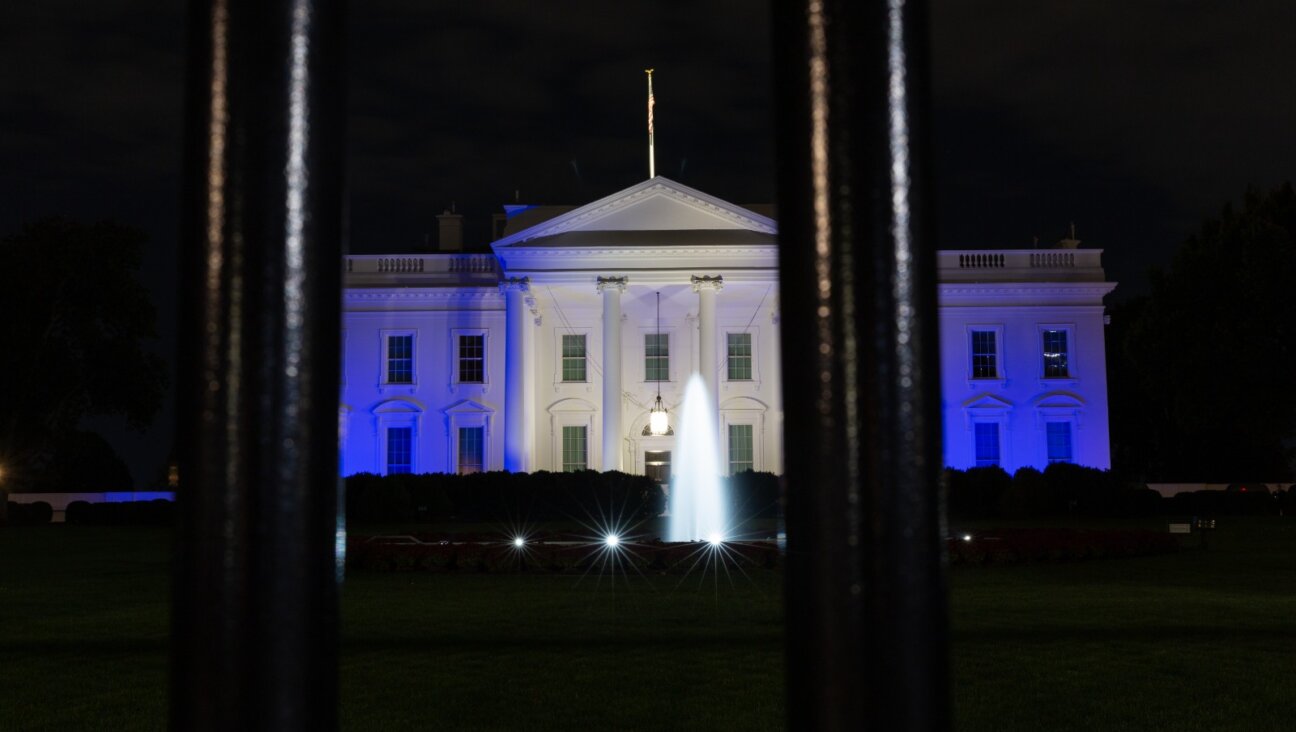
[{"x": 657, "y": 465}]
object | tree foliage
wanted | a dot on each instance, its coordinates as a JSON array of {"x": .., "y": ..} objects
[
  {"x": 1203, "y": 384},
  {"x": 76, "y": 326}
]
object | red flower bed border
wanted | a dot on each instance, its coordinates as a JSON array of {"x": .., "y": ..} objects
[
  {"x": 552, "y": 554},
  {"x": 1015, "y": 546}
]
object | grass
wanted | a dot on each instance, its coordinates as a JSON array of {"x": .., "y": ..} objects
[{"x": 1194, "y": 641}]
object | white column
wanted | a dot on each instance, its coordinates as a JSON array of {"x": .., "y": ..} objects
[
  {"x": 708, "y": 364},
  {"x": 516, "y": 413},
  {"x": 611, "y": 288}
]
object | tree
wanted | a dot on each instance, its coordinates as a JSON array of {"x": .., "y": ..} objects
[
  {"x": 75, "y": 327},
  {"x": 1206, "y": 378}
]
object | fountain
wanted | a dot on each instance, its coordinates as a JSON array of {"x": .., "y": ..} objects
[{"x": 698, "y": 505}]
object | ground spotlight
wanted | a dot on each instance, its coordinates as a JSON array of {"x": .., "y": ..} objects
[
  {"x": 967, "y": 537},
  {"x": 612, "y": 540},
  {"x": 518, "y": 542},
  {"x": 715, "y": 540}
]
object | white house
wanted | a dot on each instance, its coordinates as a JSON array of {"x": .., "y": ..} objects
[{"x": 549, "y": 353}]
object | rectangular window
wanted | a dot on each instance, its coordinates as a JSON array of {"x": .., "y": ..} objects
[
  {"x": 573, "y": 357},
  {"x": 987, "y": 444},
  {"x": 657, "y": 357},
  {"x": 400, "y": 359},
  {"x": 1055, "y": 354},
  {"x": 574, "y": 449},
  {"x": 984, "y": 355},
  {"x": 1059, "y": 442},
  {"x": 739, "y": 356},
  {"x": 400, "y": 454},
  {"x": 741, "y": 452},
  {"x": 472, "y": 449},
  {"x": 472, "y": 359}
]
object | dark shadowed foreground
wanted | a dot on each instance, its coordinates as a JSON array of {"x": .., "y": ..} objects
[{"x": 1194, "y": 640}]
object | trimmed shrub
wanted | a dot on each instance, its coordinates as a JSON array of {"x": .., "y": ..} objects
[{"x": 37, "y": 513}]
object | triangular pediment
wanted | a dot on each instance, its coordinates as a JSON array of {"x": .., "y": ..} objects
[
  {"x": 987, "y": 401},
  {"x": 657, "y": 204},
  {"x": 468, "y": 406}
]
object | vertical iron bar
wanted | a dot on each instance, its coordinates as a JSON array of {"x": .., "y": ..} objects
[
  {"x": 255, "y": 598},
  {"x": 867, "y": 628}
]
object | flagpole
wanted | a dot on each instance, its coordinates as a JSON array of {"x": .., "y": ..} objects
[{"x": 652, "y": 158}]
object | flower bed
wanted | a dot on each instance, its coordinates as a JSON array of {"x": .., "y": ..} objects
[
  {"x": 552, "y": 554},
  {"x": 1013, "y": 546}
]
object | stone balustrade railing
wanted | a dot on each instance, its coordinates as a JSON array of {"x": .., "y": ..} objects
[
  {"x": 422, "y": 264},
  {"x": 1019, "y": 265}
]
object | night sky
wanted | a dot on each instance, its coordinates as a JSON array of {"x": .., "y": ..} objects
[{"x": 1134, "y": 119}]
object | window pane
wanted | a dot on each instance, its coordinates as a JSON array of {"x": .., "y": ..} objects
[
  {"x": 739, "y": 356},
  {"x": 984, "y": 356},
  {"x": 573, "y": 357},
  {"x": 1055, "y": 354},
  {"x": 657, "y": 357},
  {"x": 987, "y": 444},
  {"x": 574, "y": 454},
  {"x": 400, "y": 359},
  {"x": 741, "y": 448},
  {"x": 471, "y": 449},
  {"x": 1059, "y": 442},
  {"x": 399, "y": 450},
  {"x": 472, "y": 359}
]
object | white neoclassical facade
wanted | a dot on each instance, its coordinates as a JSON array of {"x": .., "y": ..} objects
[{"x": 549, "y": 353}]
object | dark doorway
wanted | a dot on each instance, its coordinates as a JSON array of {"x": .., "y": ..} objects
[{"x": 657, "y": 465}]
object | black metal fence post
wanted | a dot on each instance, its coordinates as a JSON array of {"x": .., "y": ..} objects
[
  {"x": 255, "y": 612},
  {"x": 867, "y": 631}
]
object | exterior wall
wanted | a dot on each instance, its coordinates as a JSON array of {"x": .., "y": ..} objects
[
  {"x": 742, "y": 308},
  {"x": 434, "y": 404},
  {"x": 1022, "y": 400},
  {"x": 716, "y": 267}
]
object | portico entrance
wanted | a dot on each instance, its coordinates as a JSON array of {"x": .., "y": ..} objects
[{"x": 657, "y": 465}]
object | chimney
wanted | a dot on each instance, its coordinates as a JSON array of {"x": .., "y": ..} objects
[{"x": 451, "y": 234}]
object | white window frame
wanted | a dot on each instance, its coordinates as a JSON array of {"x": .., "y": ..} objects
[
  {"x": 672, "y": 353},
  {"x": 999, "y": 430},
  {"x": 573, "y": 412},
  {"x": 755, "y": 350},
  {"x": 455, "y": 333},
  {"x": 558, "y": 352},
  {"x": 1069, "y": 329},
  {"x": 1070, "y": 422},
  {"x": 469, "y": 413},
  {"x": 398, "y": 413},
  {"x": 989, "y": 408},
  {"x": 458, "y": 455},
  {"x": 1001, "y": 374},
  {"x": 384, "y": 335},
  {"x": 744, "y": 410}
]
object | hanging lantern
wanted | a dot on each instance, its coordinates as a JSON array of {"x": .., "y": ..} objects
[
  {"x": 658, "y": 417},
  {"x": 659, "y": 420}
]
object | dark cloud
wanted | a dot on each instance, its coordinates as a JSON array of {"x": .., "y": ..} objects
[{"x": 1134, "y": 119}]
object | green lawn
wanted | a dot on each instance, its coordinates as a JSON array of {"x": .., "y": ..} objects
[{"x": 1196, "y": 641}]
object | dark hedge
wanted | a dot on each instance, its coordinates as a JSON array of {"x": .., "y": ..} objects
[{"x": 542, "y": 496}]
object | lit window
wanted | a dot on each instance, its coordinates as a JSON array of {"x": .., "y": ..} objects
[
  {"x": 574, "y": 449},
  {"x": 987, "y": 444},
  {"x": 1055, "y": 354},
  {"x": 740, "y": 356},
  {"x": 740, "y": 448},
  {"x": 471, "y": 450},
  {"x": 984, "y": 355},
  {"x": 399, "y": 450},
  {"x": 400, "y": 359},
  {"x": 657, "y": 357},
  {"x": 1059, "y": 442},
  {"x": 472, "y": 359},
  {"x": 573, "y": 357}
]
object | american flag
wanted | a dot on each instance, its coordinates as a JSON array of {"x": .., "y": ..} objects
[{"x": 650, "y": 102}]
